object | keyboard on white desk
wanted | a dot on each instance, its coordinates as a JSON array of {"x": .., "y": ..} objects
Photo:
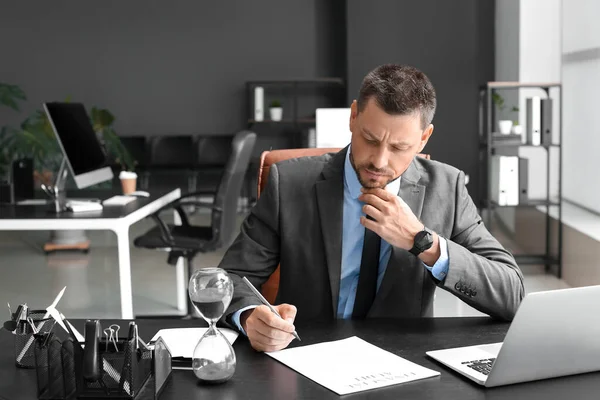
[
  {"x": 118, "y": 200},
  {"x": 84, "y": 206}
]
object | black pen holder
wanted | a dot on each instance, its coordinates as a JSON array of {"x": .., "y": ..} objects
[
  {"x": 123, "y": 371},
  {"x": 56, "y": 368},
  {"x": 24, "y": 340}
]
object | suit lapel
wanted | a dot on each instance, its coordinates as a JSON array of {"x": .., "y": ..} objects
[
  {"x": 413, "y": 195},
  {"x": 411, "y": 191},
  {"x": 330, "y": 200}
]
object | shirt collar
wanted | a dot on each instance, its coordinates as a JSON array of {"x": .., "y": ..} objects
[{"x": 352, "y": 184}]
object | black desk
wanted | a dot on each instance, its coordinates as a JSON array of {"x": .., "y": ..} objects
[{"x": 258, "y": 376}]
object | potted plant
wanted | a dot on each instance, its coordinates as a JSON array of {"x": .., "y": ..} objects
[
  {"x": 504, "y": 125},
  {"x": 275, "y": 110}
]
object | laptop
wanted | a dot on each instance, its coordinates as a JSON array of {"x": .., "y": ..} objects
[{"x": 554, "y": 333}]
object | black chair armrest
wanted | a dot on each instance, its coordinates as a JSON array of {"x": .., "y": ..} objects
[
  {"x": 178, "y": 204},
  {"x": 165, "y": 234},
  {"x": 182, "y": 216},
  {"x": 198, "y": 203},
  {"x": 198, "y": 193}
]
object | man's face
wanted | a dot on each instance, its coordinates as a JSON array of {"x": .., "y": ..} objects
[{"x": 384, "y": 145}]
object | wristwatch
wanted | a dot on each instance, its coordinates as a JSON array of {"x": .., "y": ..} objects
[{"x": 423, "y": 241}]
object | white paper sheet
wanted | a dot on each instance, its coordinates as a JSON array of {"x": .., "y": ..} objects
[
  {"x": 351, "y": 365},
  {"x": 183, "y": 341}
]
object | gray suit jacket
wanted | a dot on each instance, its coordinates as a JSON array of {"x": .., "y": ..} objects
[{"x": 298, "y": 222}]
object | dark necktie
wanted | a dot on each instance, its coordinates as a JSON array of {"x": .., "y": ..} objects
[{"x": 367, "y": 279}]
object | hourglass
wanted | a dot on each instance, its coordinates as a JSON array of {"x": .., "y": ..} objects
[{"x": 210, "y": 291}]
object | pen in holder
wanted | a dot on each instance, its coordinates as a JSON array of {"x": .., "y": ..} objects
[{"x": 24, "y": 339}]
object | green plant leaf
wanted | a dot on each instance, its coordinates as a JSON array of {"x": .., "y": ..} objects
[
  {"x": 498, "y": 100},
  {"x": 117, "y": 150},
  {"x": 10, "y": 95},
  {"x": 104, "y": 118}
]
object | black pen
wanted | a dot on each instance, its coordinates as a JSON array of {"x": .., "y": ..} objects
[{"x": 265, "y": 302}]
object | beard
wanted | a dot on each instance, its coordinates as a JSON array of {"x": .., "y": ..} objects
[{"x": 372, "y": 184}]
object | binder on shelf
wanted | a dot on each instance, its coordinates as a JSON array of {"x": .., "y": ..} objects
[
  {"x": 259, "y": 94},
  {"x": 533, "y": 119},
  {"x": 523, "y": 181},
  {"x": 546, "y": 121},
  {"x": 505, "y": 180}
]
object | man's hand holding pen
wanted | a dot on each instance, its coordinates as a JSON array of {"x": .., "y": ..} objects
[{"x": 266, "y": 331}]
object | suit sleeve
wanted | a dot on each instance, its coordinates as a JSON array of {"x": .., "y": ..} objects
[
  {"x": 255, "y": 252},
  {"x": 481, "y": 272}
]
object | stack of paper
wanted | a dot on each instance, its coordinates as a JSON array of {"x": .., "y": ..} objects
[
  {"x": 351, "y": 365},
  {"x": 182, "y": 341}
]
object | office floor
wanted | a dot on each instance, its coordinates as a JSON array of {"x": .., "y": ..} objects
[{"x": 92, "y": 279}]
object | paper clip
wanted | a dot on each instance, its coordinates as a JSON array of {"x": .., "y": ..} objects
[
  {"x": 110, "y": 337},
  {"x": 116, "y": 329}
]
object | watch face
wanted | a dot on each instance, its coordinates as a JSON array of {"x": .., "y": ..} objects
[{"x": 424, "y": 240}]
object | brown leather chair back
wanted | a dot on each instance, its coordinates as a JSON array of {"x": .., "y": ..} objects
[{"x": 267, "y": 158}]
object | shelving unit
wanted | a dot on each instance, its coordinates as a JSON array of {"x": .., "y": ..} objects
[
  {"x": 333, "y": 88},
  {"x": 490, "y": 146}
]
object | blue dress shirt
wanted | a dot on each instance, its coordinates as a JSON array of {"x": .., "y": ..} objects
[{"x": 352, "y": 243}]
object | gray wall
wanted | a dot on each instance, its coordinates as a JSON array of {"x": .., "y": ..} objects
[
  {"x": 165, "y": 68},
  {"x": 507, "y": 51},
  {"x": 507, "y": 69},
  {"x": 452, "y": 42}
]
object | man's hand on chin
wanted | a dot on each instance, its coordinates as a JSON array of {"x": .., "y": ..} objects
[
  {"x": 265, "y": 330},
  {"x": 394, "y": 222}
]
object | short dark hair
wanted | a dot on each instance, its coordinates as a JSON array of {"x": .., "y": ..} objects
[{"x": 399, "y": 90}]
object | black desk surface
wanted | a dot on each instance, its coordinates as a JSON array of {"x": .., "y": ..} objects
[
  {"x": 11, "y": 211},
  {"x": 258, "y": 376}
]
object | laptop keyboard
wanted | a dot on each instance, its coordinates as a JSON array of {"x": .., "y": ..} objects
[{"x": 483, "y": 366}]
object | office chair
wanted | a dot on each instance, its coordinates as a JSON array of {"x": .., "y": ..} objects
[
  {"x": 270, "y": 288},
  {"x": 187, "y": 240},
  {"x": 212, "y": 155}
]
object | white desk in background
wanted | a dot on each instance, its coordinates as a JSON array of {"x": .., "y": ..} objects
[{"x": 117, "y": 219}]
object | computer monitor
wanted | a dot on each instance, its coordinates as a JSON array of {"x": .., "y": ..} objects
[
  {"x": 81, "y": 148},
  {"x": 333, "y": 127}
]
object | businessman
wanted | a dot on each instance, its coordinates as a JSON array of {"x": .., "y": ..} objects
[{"x": 369, "y": 232}]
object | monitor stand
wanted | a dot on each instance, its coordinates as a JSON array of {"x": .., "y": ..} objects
[
  {"x": 60, "y": 194},
  {"x": 59, "y": 239}
]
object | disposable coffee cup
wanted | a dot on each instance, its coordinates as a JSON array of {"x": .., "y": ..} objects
[{"x": 128, "y": 181}]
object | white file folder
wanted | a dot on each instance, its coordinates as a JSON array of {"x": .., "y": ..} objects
[
  {"x": 505, "y": 180},
  {"x": 533, "y": 118}
]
